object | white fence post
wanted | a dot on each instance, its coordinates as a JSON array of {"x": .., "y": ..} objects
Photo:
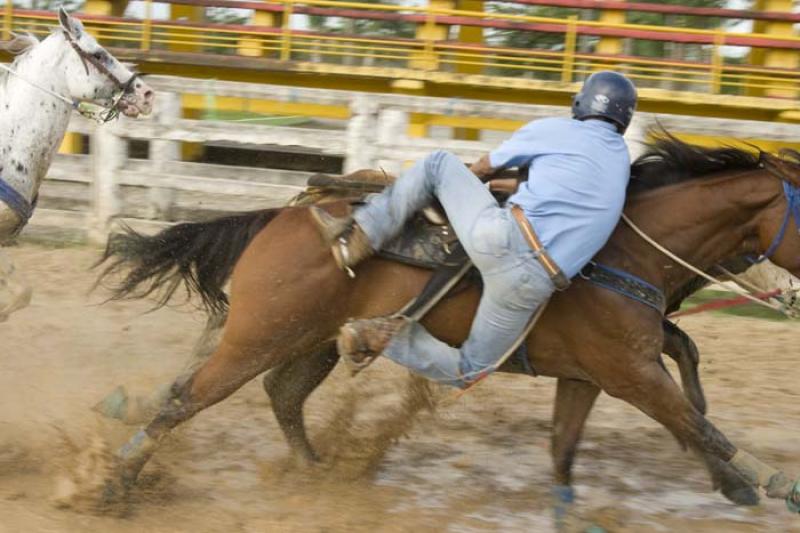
[
  {"x": 161, "y": 199},
  {"x": 108, "y": 155},
  {"x": 361, "y": 131},
  {"x": 392, "y": 128},
  {"x": 636, "y": 136}
]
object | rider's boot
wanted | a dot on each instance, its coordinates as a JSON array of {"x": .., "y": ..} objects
[
  {"x": 361, "y": 341},
  {"x": 350, "y": 243}
]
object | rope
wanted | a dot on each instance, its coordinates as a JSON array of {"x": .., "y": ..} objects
[
  {"x": 716, "y": 305},
  {"x": 61, "y": 97},
  {"x": 741, "y": 292}
]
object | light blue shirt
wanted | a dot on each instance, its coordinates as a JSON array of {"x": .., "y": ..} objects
[{"x": 575, "y": 192}]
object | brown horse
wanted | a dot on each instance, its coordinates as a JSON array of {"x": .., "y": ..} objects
[{"x": 288, "y": 299}]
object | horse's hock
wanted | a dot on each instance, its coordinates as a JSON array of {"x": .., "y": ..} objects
[{"x": 146, "y": 172}]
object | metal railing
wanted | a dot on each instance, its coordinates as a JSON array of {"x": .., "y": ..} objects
[{"x": 714, "y": 74}]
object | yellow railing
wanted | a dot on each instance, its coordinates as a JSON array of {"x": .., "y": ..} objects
[{"x": 354, "y": 52}]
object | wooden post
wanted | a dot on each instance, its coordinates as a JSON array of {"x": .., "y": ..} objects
[
  {"x": 611, "y": 45},
  {"x": 570, "y": 45},
  {"x": 8, "y": 18},
  {"x": 286, "y": 33},
  {"x": 251, "y": 45},
  {"x": 717, "y": 62},
  {"x": 469, "y": 35},
  {"x": 430, "y": 33},
  {"x": 361, "y": 129},
  {"x": 187, "y": 40},
  {"x": 147, "y": 26},
  {"x": 636, "y": 136},
  {"x": 108, "y": 154},
  {"x": 785, "y": 59},
  {"x": 392, "y": 126},
  {"x": 161, "y": 199}
]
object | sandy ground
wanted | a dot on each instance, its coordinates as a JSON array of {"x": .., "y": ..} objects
[{"x": 478, "y": 464}]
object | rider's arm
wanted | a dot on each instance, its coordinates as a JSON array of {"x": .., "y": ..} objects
[{"x": 527, "y": 142}]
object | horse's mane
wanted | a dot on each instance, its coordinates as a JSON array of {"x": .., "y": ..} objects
[
  {"x": 669, "y": 160},
  {"x": 20, "y": 44}
]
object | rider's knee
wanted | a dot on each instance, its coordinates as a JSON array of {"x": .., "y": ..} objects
[{"x": 436, "y": 160}]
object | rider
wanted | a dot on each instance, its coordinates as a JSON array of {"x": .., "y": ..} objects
[{"x": 577, "y": 177}]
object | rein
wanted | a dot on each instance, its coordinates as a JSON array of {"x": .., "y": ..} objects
[{"x": 792, "y": 194}]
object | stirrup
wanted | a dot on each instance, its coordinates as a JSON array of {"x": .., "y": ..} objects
[{"x": 331, "y": 228}]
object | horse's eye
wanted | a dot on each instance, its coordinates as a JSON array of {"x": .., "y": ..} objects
[{"x": 98, "y": 55}]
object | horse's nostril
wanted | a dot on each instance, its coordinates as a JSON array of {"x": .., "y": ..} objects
[{"x": 148, "y": 94}]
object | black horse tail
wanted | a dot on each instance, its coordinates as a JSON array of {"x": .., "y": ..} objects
[{"x": 198, "y": 255}]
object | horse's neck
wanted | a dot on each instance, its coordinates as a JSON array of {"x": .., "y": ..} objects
[
  {"x": 702, "y": 221},
  {"x": 34, "y": 122}
]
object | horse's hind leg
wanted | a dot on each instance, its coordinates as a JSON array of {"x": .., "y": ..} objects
[
  {"x": 134, "y": 410},
  {"x": 289, "y": 385},
  {"x": 574, "y": 401},
  {"x": 225, "y": 372},
  {"x": 272, "y": 320}
]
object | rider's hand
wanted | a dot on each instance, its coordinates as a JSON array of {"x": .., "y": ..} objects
[
  {"x": 504, "y": 185},
  {"x": 482, "y": 168}
]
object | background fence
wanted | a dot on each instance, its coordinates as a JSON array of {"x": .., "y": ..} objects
[{"x": 133, "y": 171}]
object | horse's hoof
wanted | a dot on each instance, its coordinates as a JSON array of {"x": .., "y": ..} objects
[
  {"x": 114, "y": 492},
  {"x": 793, "y": 498},
  {"x": 743, "y": 495},
  {"x": 115, "y": 405}
]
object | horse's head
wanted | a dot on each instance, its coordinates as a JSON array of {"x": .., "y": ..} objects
[
  {"x": 779, "y": 223},
  {"x": 94, "y": 75}
]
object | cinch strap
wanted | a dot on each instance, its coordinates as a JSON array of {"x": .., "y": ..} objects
[
  {"x": 18, "y": 203},
  {"x": 625, "y": 284}
]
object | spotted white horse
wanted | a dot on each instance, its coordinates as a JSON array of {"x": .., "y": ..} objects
[{"x": 47, "y": 80}]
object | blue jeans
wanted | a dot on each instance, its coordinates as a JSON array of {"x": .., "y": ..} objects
[{"x": 514, "y": 282}]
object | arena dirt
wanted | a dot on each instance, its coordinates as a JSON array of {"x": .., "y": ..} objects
[{"x": 476, "y": 464}]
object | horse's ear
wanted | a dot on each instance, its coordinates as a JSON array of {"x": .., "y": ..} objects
[{"x": 69, "y": 24}]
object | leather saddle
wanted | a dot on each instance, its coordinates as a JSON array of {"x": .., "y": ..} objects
[{"x": 427, "y": 241}]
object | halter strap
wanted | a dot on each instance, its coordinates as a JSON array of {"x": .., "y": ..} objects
[
  {"x": 17, "y": 202},
  {"x": 89, "y": 59},
  {"x": 792, "y": 194}
]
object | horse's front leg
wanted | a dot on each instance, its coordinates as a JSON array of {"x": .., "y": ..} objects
[
  {"x": 680, "y": 347},
  {"x": 646, "y": 385},
  {"x": 15, "y": 293}
]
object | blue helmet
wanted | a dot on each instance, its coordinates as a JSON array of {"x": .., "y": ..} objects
[{"x": 606, "y": 95}]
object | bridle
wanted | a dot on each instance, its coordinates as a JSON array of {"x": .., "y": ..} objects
[
  {"x": 89, "y": 59},
  {"x": 122, "y": 88},
  {"x": 792, "y": 194}
]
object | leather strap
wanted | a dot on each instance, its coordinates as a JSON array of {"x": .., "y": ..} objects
[{"x": 558, "y": 277}]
